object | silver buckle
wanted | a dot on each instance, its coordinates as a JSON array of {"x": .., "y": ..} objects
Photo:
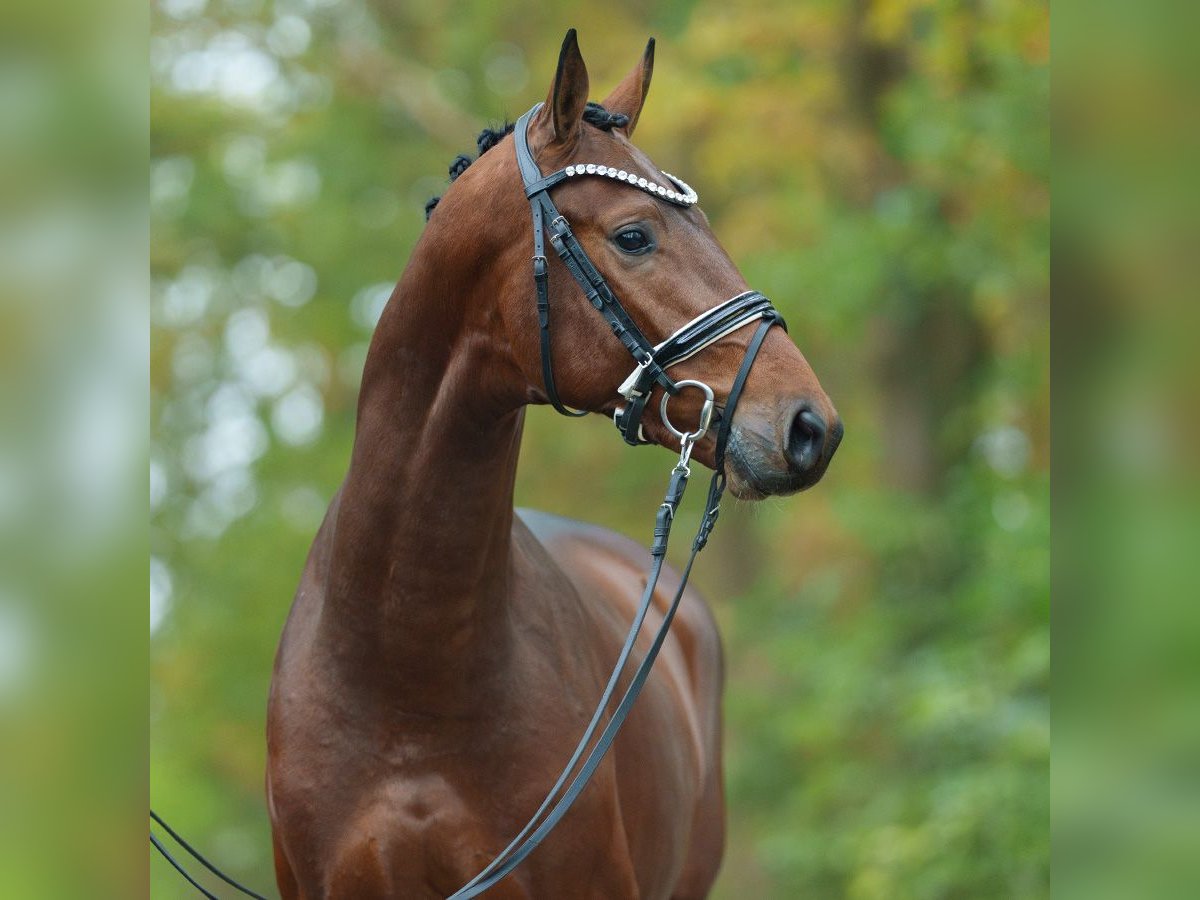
[{"x": 626, "y": 389}]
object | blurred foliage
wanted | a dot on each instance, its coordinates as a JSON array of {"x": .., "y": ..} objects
[
  {"x": 878, "y": 167},
  {"x": 73, "y": 433},
  {"x": 1127, "y": 511}
]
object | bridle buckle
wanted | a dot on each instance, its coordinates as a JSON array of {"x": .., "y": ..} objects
[
  {"x": 628, "y": 386},
  {"x": 618, "y": 420}
]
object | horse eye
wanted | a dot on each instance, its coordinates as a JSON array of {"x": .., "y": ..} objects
[{"x": 632, "y": 240}]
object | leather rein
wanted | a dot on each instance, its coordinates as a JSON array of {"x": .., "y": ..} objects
[{"x": 651, "y": 364}]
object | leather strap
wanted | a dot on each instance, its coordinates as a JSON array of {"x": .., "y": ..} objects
[
  {"x": 547, "y": 219},
  {"x": 600, "y": 295},
  {"x": 687, "y": 341},
  {"x": 541, "y": 277},
  {"x": 716, "y": 486},
  {"x": 705, "y": 330},
  {"x": 628, "y": 419},
  {"x": 520, "y": 847},
  {"x": 534, "y": 831}
]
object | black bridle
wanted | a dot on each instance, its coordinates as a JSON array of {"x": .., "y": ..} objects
[{"x": 652, "y": 362}]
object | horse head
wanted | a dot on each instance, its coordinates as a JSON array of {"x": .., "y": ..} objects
[{"x": 663, "y": 262}]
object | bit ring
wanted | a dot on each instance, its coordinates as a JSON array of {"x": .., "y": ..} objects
[{"x": 686, "y": 438}]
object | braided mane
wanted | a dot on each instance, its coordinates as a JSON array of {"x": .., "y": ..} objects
[{"x": 594, "y": 114}]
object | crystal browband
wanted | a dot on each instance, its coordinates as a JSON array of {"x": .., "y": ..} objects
[{"x": 685, "y": 197}]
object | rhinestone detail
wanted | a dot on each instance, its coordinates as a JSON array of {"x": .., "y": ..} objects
[{"x": 683, "y": 196}]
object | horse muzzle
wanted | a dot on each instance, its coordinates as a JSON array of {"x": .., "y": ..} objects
[{"x": 772, "y": 462}]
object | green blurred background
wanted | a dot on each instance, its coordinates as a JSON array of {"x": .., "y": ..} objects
[{"x": 880, "y": 168}]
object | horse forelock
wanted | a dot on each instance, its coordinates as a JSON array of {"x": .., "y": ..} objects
[{"x": 594, "y": 114}]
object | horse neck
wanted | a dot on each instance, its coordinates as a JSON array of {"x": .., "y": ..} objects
[{"x": 419, "y": 566}]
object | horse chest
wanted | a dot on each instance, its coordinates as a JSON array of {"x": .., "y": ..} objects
[{"x": 407, "y": 799}]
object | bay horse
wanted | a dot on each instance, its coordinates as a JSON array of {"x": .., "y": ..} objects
[{"x": 443, "y": 652}]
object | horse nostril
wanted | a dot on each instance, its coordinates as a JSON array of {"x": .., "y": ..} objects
[{"x": 806, "y": 440}]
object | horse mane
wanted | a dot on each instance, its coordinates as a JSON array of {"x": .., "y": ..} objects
[{"x": 594, "y": 114}]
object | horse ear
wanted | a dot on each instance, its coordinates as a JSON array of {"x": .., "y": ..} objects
[
  {"x": 628, "y": 96},
  {"x": 568, "y": 96}
]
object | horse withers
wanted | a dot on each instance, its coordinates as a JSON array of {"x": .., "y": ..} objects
[{"x": 442, "y": 654}]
